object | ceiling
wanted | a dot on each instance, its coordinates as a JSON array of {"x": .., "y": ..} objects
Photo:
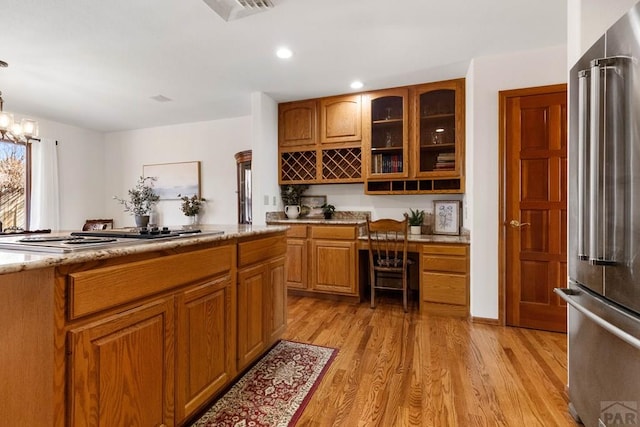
[{"x": 97, "y": 64}]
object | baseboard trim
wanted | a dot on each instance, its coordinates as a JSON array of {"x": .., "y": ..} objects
[{"x": 485, "y": 320}]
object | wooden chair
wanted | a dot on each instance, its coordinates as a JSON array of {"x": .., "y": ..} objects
[
  {"x": 97, "y": 224},
  {"x": 388, "y": 263}
]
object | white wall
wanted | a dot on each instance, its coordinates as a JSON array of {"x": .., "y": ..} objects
[
  {"x": 489, "y": 75},
  {"x": 81, "y": 171},
  {"x": 351, "y": 197},
  {"x": 213, "y": 143},
  {"x": 264, "y": 159}
]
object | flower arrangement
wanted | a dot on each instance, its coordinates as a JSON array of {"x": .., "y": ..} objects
[
  {"x": 142, "y": 198},
  {"x": 291, "y": 193},
  {"x": 328, "y": 210},
  {"x": 191, "y": 205}
]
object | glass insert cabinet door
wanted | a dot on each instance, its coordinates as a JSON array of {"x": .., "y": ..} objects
[
  {"x": 389, "y": 134},
  {"x": 439, "y": 114}
]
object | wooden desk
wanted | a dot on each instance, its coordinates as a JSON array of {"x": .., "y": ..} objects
[{"x": 442, "y": 265}]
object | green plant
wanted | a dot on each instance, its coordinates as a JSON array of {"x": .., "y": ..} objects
[
  {"x": 191, "y": 205},
  {"x": 291, "y": 193},
  {"x": 328, "y": 209},
  {"x": 142, "y": 198},
  {"x": 416, "y": 217}
]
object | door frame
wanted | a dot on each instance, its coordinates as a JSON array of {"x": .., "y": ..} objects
[{"x": 503, "y": 96}]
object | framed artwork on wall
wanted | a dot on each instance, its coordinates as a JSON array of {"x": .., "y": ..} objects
[
  {"x": 174, "y": 178},
  {"x": 314, "y": 203},
  {"x": 446, "y": 217}
]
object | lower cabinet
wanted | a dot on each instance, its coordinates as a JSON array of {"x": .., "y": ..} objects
[
  {"x": 262, "y": 306},
  {"x": 205, "y": 343},
  {"x": 296, "y": 271},
  {"x": 167, "y": 331},
  {"x": 322, "y": 259},
  {"x": 334, "y": 259},
  {"x": 122, "y": 368},
  {"x": 444, "y": 282}
]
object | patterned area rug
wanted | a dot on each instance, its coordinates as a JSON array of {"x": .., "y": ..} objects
[{"x": 274, "y": 391}]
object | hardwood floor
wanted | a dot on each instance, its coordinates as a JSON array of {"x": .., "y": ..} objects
[{"x": 408, "y": 369}]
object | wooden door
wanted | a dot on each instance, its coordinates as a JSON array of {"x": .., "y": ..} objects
[
  {"x": 535, "y": 206},
  {"x": 297, "y": 124},
  {"x": 333, "y": 264},
  {"x": 340, "y": 119},
  {"x": 205, "y": 343},
  {"x": 251, "y": 293},
  {"x": 276, "y": 301},
  {"x": 122, "y": 369}
]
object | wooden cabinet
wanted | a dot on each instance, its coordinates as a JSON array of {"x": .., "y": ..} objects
[
  {"x": 386, "y": 136},
  {"x": 252, "y": 284},
  {"x": 261, "y": 295},
  {"x": 340, "y": 119},
  {"x": 296, "y": 271},
  {"x": 439, "y": 129},
  {"x": 122, "y": 368},
  {"x": 205, "y": 343},
  {"x": 298, "y": 124},
  {"x": 432, "y": 160},
  {"x": 331, "y": 154},
  {"x": 444, "y": 281},
  {"x": 334, "y": 267}
]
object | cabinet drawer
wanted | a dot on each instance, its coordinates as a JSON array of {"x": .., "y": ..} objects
[
  {"x": 333, "y": 232},
  {"x": 445, "y": 249},
  {"x": 444, "y": 288},
  {"x": 101, "y": 288},
  {"x": 438, "y": 263},
  {"x": 297, "y": 231},
  {"x": 254, "y": 251}
]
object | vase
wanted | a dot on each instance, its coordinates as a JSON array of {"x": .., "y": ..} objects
[
  {"x": 292, "y": 211},
  {"x": 141, "y": 220}
]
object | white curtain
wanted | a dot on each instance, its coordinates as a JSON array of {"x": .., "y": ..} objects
[{"x": 45, "y": 194}]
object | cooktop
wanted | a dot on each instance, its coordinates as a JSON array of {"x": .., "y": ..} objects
[{"x": 138, "y": 233}]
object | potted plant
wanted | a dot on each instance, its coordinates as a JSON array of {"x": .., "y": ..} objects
[
  {"x": 191, "y": 206},
  {"x": 290, "y": 195},
  {"x": 328, "y": 210},
  {"x": 416, "y": 217},
  {"x": 141, "y": 201}
]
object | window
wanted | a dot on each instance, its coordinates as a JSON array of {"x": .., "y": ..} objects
[{"x": 15, "y": 185}]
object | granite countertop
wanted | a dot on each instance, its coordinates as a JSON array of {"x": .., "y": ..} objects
[
  {"x": 303, "y": 220},
  {"x": 15, "y": 260},
  {"x": 434, "y": 238}
]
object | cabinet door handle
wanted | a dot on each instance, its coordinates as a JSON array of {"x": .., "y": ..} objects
[{"x": 517, "y": 224}]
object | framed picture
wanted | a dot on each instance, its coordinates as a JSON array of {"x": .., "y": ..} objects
[
  {"x": 446, "y": 217},
  {"x": 174, "y": 178},
  {"x": 314, "y": 203}
]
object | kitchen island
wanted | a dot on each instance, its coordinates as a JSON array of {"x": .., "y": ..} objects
[{"x": 140, "y": 334}]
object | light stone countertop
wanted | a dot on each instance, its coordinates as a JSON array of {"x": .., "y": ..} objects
[{"x": 12, "y": 261}]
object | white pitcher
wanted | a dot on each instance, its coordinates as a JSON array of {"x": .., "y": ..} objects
[{"x": 292, "y": 211}]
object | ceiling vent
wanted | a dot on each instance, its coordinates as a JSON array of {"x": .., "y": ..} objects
[{"x": 236, "y": 9}]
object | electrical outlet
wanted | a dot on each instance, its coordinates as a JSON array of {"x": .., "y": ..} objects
[
  {"x": 274, "y": 200},
  {"x": 266, "y": 200}
]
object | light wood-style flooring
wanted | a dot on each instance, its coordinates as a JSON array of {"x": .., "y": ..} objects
[{"x": 407, "y": 369}]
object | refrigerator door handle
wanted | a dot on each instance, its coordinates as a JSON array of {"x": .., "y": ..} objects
[
  {"x": 595, "y": 209},
  {"x": 583, "y": 145},
  {"x": 569, "y": 295}
]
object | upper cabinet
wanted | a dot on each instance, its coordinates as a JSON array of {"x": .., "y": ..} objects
[
  {"x": 386, "y": 135},
  {"x": 407, "y": 140},
  {"x": 297, "y": 124},
  {"x": 340, "y": 119},
  {"x": 439, "y": 131},
  {"x": 330, "y": 155}
]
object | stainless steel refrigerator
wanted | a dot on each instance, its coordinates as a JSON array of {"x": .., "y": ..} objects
[{"x": 603, "y": 294}]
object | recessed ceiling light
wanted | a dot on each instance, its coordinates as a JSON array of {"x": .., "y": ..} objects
[
  {"x": 356, "y": 84},
  {"x": 284, "y": 53}
]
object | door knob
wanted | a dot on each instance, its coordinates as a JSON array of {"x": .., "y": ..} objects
[{"x": 516, "y": 224}]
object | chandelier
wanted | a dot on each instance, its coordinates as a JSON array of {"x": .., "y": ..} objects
[{"x": 20, "y": 132}]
